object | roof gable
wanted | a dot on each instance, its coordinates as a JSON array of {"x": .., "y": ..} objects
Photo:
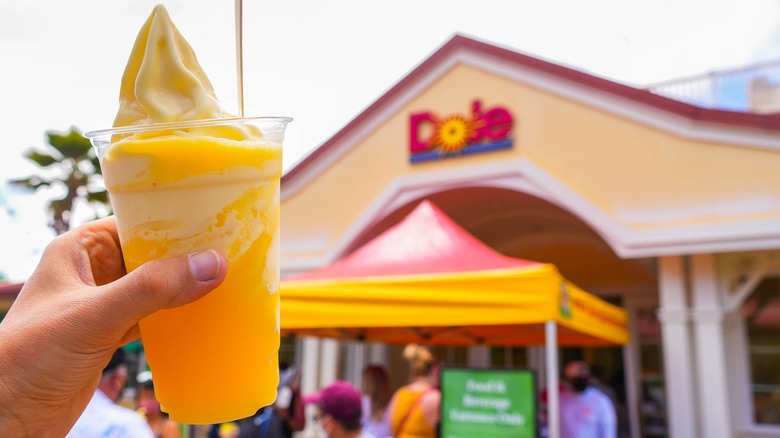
[{"x": 459, "y": 44}]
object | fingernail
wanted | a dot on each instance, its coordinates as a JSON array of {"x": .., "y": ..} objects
[{"x": 205, "y": 265}]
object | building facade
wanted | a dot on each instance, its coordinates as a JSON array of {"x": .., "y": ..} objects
[{"x": 668, "y": 209}]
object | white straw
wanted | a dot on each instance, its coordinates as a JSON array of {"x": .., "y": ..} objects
[{"x": 239, "y": 58}]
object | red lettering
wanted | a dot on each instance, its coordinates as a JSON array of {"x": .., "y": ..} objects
[
  {"x": 495, "y": 124},
  {"x": 476, "y": 117},
  {"x": 415, "y": 144},
  {"x": 498, "y": 123}
]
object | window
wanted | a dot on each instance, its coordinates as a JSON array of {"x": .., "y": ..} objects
[{"x": 762, "y": 321}]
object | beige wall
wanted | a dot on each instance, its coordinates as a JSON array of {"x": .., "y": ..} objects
[{"x": 640, "y": 176}]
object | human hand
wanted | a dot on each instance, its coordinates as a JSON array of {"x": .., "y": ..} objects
[{"x": 75, "y": 310}]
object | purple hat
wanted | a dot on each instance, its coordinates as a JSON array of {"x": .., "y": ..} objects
[{"x": 341, "y": 401}]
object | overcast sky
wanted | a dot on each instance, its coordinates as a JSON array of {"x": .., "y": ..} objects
[{"x": 322, "y": 62}]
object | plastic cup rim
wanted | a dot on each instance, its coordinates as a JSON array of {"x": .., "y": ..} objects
[{"x": 182, "y": 125}]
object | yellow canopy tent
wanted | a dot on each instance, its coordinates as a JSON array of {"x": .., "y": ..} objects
[
  {"x": 427, "y": 280},
  {"x": 507, "y": 306}
]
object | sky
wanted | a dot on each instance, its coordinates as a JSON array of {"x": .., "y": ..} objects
[{"x": 323, "y": 62}]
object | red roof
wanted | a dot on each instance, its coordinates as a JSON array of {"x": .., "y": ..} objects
[
  {"x": 426, "y": 241},
  {"x": 458, "y": 42}
]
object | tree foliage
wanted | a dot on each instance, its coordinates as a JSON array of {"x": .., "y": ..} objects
[{"x": 69, "y": 162}]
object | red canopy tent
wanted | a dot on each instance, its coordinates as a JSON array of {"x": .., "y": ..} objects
[
  {"x": 425, "y": 242},
  {"x": 427, "y": 280}
]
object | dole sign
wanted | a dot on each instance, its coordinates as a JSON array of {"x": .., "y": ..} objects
[{"x": 432, "y": 137}]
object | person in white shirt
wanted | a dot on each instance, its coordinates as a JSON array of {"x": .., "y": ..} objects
[
  {"x": 103, "y": 418},
  {"x": 585, "y": 411}
]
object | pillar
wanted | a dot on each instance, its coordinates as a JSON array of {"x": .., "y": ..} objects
[
  {"x": 329, "y": 359},
  {"x": 708, "y": 317},
  {"x": 677, "y": 347}
]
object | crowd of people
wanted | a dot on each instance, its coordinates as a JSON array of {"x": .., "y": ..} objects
[
  {"x": 342, "y": 411},
  {"x": 66, "y": 383}
]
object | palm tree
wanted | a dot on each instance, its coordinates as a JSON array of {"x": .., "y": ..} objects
[{"x": 74, "y": 167}]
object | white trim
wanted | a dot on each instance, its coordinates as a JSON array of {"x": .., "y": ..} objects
[
  {"x": 613, "y": 104},
  {"x": 621, "y": 106},
  {"x": 753, "y": 276},
  {"x": 524, "y": 176}
]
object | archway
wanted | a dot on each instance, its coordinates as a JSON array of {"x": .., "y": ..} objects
[{"x": 524, "y": 226}]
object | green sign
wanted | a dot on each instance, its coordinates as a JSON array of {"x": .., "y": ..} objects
[{"x": 488, "y": 403}]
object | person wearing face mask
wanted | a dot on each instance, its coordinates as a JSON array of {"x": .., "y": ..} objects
[
  {"x": 103, "y": 417},
  {"x": 584, "y": 410},
  {"x": 339, "y": 411},
  {"x": 161, "y": 425}
]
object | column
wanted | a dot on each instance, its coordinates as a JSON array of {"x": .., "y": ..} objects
[
  {"x": 378, "y": 353},
  {"x": 738, "y": 366},
  {"x": 310, "y": 348},
  {"x": 329, "y": 359},
  {"x": 677, "y": 347},
  {"x": 632, "y": 367},
  {"x": 355, "y": 362},
  {"x": 309, "y": 363},
  {"x": 710, "y": 348}
]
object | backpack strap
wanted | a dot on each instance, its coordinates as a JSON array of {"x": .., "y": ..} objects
[{"x": 414, "y": 406}]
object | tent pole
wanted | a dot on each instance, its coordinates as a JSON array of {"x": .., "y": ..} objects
[{"x": 553, "y": 411}]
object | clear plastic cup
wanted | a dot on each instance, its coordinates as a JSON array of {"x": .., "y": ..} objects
[{"x": 180, "y": 188}]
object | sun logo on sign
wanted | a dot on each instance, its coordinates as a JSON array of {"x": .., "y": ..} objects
[{"x": 453, "y": 134}]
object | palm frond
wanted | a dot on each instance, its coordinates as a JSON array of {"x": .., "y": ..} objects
[
  {"x": 41, "y": 159},
  {"x": 70, "y": 144},
  {"x": 96, "y": 165},
  {"x": 100, "y": 196},
  {"x": 30, "y": 183}
]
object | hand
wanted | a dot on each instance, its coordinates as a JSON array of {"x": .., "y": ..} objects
[{"x": 76, "y": 309}]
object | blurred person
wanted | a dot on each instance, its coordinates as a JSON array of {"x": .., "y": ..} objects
[
  {"x": 375, "y": 401},
  {"x": 414, "y": 408},
  {"x": 74, "y": 311},
  {"x": 103, "y": 417},
  {"x": 228, "y": 430},
  {"x": 285, "y": 416},
  {"x": 585, "y": 411},
  {"x": 288, "y": 408},
  {"x": 339, "y": 411},
  {"x": 597, "y": 380},
  {"x": 149, "y": 407}
]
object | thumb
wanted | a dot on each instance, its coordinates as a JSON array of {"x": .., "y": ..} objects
[{"x": 164, "y": 284}]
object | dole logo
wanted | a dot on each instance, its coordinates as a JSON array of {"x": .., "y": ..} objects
[{"x": 432, "y": 137}]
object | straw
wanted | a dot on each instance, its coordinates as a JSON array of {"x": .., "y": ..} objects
[{"x": 240, "y": 57}]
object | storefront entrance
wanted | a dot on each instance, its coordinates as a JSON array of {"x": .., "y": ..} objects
[{"x": 524, "y": 226}]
